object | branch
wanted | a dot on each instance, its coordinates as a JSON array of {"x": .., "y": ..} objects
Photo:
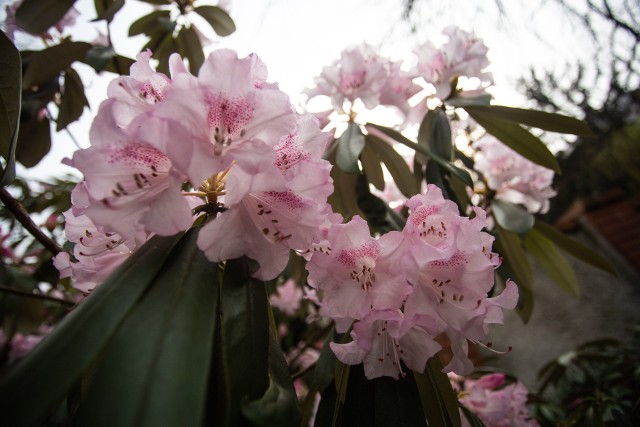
[
  {"x": 16, "y": 208},
  {"x": 22, "y": 293}
]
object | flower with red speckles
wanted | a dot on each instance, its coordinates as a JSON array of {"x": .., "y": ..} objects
[
  {"x": 274, "y": 203},
  {"x": 497, "y": 403},
  {"x": 353, "y": 276},
  {"x": 385, "y": 338},
  {"x": 132, "y": 185},
  {"x": 463, "y": 55},
  {"x": 224, "y": 110},
  {"x": 514, "y": 178},
  {"x": 431, "y": 280},
  {"x": 98, "y": 251}
]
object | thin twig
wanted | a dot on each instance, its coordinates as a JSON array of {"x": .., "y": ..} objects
[
  {"x": 16, "y": 208},
  {"x": 27, "y": 294}
]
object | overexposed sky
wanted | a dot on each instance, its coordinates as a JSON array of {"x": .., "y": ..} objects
[{"x": 295, "y": 38}]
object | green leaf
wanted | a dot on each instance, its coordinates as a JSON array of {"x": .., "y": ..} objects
[
  {"x": 244, "y": 337},
  {"x": 73, "y": 100},
  {"x": 439, "y": 401},
  {"x": 344, "y": 198},
  {"x": 48, "y": 63},
  {"x": 396, "y": 165},
  {"x": 120, "y": 65},
  {"x": 537, "y": 119},
  {"x": 446, "y": 165},
  {"x": 167, "y": 45},
  {"x": 371, "y": 167},
  {"x": 35, "y": 141},
  {"x": 98, "y": 57},
  {"x": 435, "y": 134},
  {"x": 517, "y": 138},
  {"x": 552, "y": 261},
  {"x": 219, "y": 20},
  {"x": 31, "y": 388},
  {"x": 189, "y": 46},
  {"x": 350, "y": 145},
  {"x": 155, "y": 369},
  {"x": 574, "y": 247},
  {"x": 37, "y": 16},
  {"x": 512, "y": 217},
  {"x": 10, "y": 100},
  {"x": 150, "y": 23},
  {"x": 377, "y": 213},
  {"x": 106, "y": 9},
  {"x": 510, "y": 246},
  {"x": 465, "y": 101}
]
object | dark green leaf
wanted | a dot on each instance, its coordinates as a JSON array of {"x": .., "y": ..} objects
[
  {"x": 552, "y": 261},
  {"x": 350, "y": 145},
  {"x": 189, "y": 46},
  {"x": 446, "y": 165},
  {"x": 510, "y": 246},
  {"x": 435, "y": 135},
  {"x": 371, "y": 167},
  {"x": 48, "y": 63},
  {"x": 155, "y": 369},
  {"x": 574, "y": 247},
  {"x": 324, "y": 371},
  {"x": 465, "y": 101},
  {"x": 166, "y": 47},
  {"x": 10, "y": 100},
  {"x": 439, "y": 401},
  {"x": 377, "y": 213},
  {"x": 512, "y": 217},
  {"x": 32, "y": 388},
  {"x": 119, "y": 65},
  {"x": 517, "y": 138},
  {"x": 244, "y": 337},
  {"x": 73, "y": 100},
  {"x": 343, "y": 199},
  {"x": 537, "y": 119},
  {"x": 396, "y": 164},
  {"x": 341, "y": 383},
  {"x": 150, "y": 23},
  {"x": 34, "y": 141},
  {"x": 37, "y": 16},
  {"x": 219, "y": 20},
  {"x": 106, "y": 9},
  {"x": 99, "y": 57}
]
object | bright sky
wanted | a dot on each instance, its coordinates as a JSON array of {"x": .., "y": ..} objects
[{"x": 295, "y": 38}]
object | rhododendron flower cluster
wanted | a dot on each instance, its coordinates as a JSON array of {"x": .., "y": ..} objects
[
  {"x": 495, "y": 402},
  {"x": 462, "y": 55},
  {"x": 514, "y": 178},
  {"x": 409, "y": 291},
  {"x": 228, "y": 135},
  {"x": 361, "y": 74}
]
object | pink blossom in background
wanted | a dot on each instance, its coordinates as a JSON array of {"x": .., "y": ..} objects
[
  {"x": 362, "y": 74},
  {"x": 514, "y": 178},
  {"x": 496, "y": 403},
  {"x": 287, "y": 297},
  {"x": 462, "y": 55}
]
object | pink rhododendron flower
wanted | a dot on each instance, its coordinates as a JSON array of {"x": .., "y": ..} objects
[
  {"x": 463, "y": 55},
  {"x": 383, "y": 339},
  {"x": 497, "y": 403},
  {"x": 97, "y": 252},
  {"x": 353, "y": 276},
  {"x": 287, "y": 297},
  {"x": 417, "y": 288},
  {"x": 361, "y": 74},
  {"x": 514, "y": 178},
  {"x": 21, "y": 344}
]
